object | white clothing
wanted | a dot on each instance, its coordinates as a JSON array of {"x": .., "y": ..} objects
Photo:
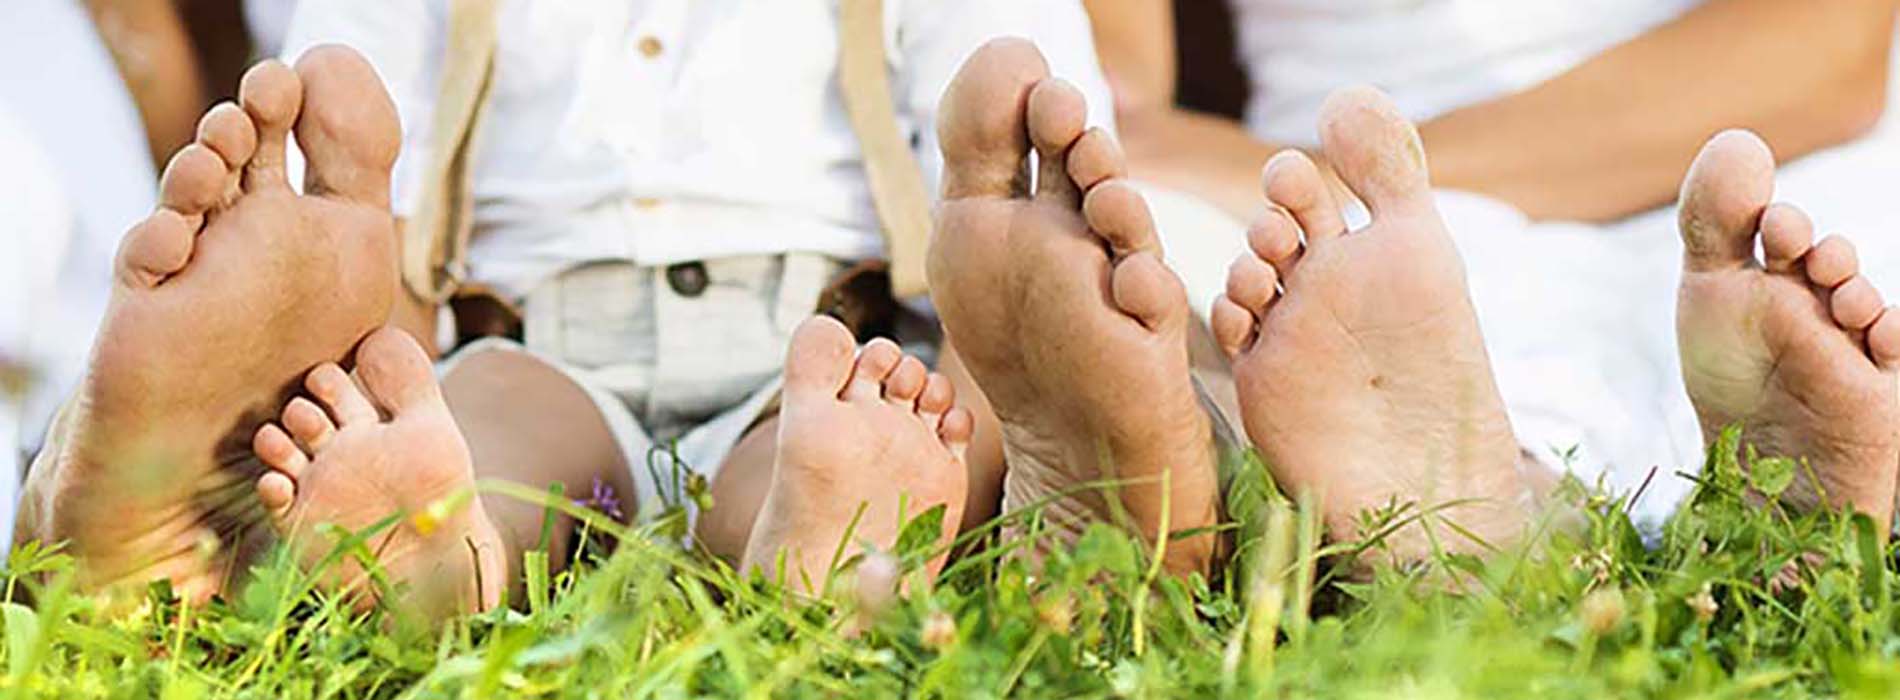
[
  {"x": 1431, "y": 56},
  {"x": 67, "y": 96},
  {"x": 268, "y": 22},
  {"x": 35, "y": 209},
  {"x": 662, "y": 131}
]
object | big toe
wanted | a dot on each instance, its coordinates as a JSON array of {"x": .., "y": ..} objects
[
  {"x": 396, "y": 372},
  {"x": 348, "y": 128},
  {"x": 819, "y": 359},
  {"x": 983, "y": 125},
  {"x": 1375, "y": 150},
  {"x": 1723, "y": 198}
]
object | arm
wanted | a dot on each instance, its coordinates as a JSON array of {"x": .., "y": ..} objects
[
  {"x": 159, "y": 65},
  {"x": 1609, "y": 138}
]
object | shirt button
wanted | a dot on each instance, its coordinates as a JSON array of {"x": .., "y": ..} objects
[
  {"x": 688, "y": 279},
  {"x": 651, "y": 47}
]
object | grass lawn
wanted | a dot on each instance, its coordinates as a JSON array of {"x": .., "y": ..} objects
[{"x": 1725, "y": 604}]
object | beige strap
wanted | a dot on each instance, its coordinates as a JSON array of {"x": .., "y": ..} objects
[
  {"x": 435, "y": 243},
  {"x": 897, "y": 182}
]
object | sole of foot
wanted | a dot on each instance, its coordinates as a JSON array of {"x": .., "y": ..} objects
[
  {"x": 1064, "y": 312},
  {"x": 867, "y": 437},
  {"x": 335, "y": 458},
  {"x": 1797, "y": 347},
  {"x": 1361, "y": 369},
  {"x": 232, "y": 290}
]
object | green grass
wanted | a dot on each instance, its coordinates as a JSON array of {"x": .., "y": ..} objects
[{"x": 1725, "y": 605}]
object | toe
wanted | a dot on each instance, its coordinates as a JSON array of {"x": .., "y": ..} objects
[
  {"x": 227, "y": 130},
  {"x": 1096, "y": 158},
  {"x": 1119, "y": 214},
  {"x": 308, "y": 424},
  {"x": 1144, "y": 288},
  {"x": 276, "y": 492},
  {"x": 347, "y": 129},
  {"x": 271, "y": 96},
  {"x": 906, "y": 382},
  {"x": 1275, "y": 238},
  {"x": 1722, "y": 201},
  {"x": 1057, "y": 116},
  {"x": 1883, "y": 339},
  {"x": 1832, "y": 262},
  {"x": 156, "y": 248},
  {"x": 878, "y": 359},
  {"x": 1253, "y": 284},
  {"x": 819, "y": 359},
  {"x": 957, "y": 429},
  {"x": 396, "y": 372},
  {"x": 193, "y": 182},
  {"x": 1233, "y": 325},
  {"x": 984, "y": 138},
  {"x": 339, "y": 393},
  {"x": 1786, "y": 235},
  {"x": 1375, "y": 151},
  {"x": 278, "y": 451},
  {"x": 1294, "y": 185},
  {"x": 939, "y": 396},
  {"x": 1856, "y": 303}
]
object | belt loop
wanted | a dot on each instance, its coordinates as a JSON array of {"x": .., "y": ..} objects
[{"x": 802, "y": 280}]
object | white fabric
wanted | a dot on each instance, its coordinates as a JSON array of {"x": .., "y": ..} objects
[
  {"x": 65, "y": 91},
  {"x": 1432, "y": 56},
  {"x": 1579, "y": 319},
  {"x": 268, "y": 22},
  {"x": 731, "y": 140},
  {"x": 41, "y": 224}
]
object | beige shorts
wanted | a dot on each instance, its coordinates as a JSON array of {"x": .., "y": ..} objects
[{"x": 680, "y": 362}]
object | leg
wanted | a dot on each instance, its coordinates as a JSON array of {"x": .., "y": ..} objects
[
  {"x": 1361, "y": 371},
  {"x": 1062, "y": 311},
  {"x": 1798, "y": 348},
  {"x": 222, "y": 300}
]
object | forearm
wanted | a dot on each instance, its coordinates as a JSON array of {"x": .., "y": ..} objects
[
  {"x": 1614, "y": 135},
  {"x": 155, "y": 58},
  {"x": 1211, "y": 157}
]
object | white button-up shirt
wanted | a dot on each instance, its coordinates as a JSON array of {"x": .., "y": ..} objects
[{"x": 661, "y": 131}]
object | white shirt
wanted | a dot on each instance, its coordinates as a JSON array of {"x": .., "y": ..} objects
[
  {"x": 64, "y": 92},
  {"x": 661, "y": 131},
  {"x": 1431, "y": 56}
]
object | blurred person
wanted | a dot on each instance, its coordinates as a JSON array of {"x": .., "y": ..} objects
[{"x": 1555, "y": 131}]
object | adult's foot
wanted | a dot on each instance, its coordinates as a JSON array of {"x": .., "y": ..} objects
[
  {"x": 222, "y": 300},
  {"x": 1362, "y": 374},
  {"x": 1798, "y": 347},
  {"x": 869, "y": 431},
  {"x": 337, "y": 460},
  {"x": 1064, "y": 312}
]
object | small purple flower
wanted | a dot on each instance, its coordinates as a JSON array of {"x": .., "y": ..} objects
[{"x": 603, "y": 500}]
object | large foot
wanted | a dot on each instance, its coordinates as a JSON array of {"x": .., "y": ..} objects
[
  {"x": 1797, "y": 348},
  {"x": 337, "y": 460},
  {"x": 1064, "y": 312},
  {"x": 228, "y": 294},
  {"x": 876, "y": 433},
  {"x": 1363, "y": 377}
]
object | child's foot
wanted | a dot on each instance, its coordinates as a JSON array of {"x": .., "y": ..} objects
[
  {"x": 1362, "y": 374},
  {"x": 1799, "y": 349},
  {"x": 1064, "y": 312},
  {"x": 232, "y": 290},
  {"x": 870, "y": 430},
  {"x": 337, "y": 460}
]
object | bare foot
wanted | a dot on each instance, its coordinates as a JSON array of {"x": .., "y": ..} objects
[
  {"x": 228, "y": 294},
  {"x": 1064, "y": 312},
  {"x": 1800, "y": 350},
  {"x": 1363, "y": 377},
  {"x": 876, "y": 434},
  {"x": 337, "y": 460}
]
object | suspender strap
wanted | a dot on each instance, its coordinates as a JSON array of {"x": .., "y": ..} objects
[
  {"x": 897, "y": 183},
  {"x": 435, "y": 244}
]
